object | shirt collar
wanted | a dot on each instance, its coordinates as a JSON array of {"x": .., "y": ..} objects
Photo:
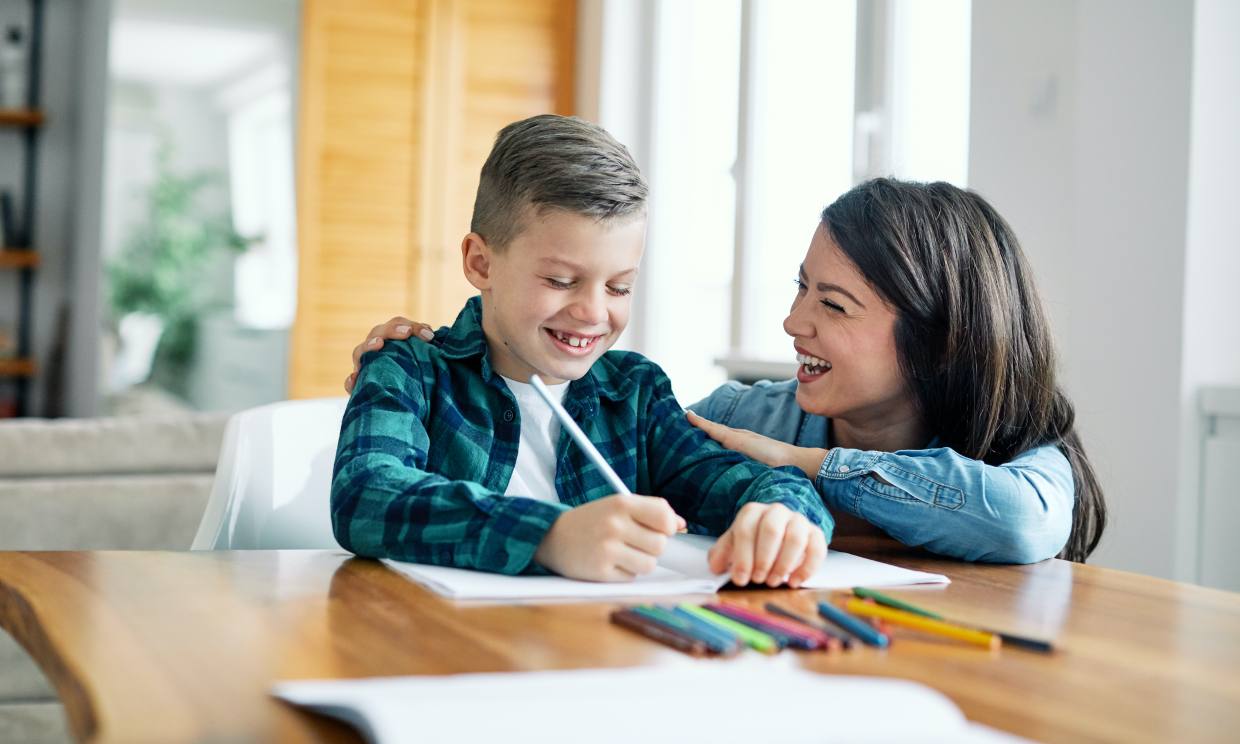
[{"x": 465, "y": 340}]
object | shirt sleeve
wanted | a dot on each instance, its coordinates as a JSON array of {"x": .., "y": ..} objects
[
  {"x": 1017, "y": 512},
  {"x": 708, "y": 484},
  {"x": 386, "y": 504},
  {"x": 716, "y": 405}
]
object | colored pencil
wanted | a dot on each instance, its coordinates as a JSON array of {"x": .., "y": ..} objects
[
  {"x": 1009, "y": 639},
  {"x": 922, "y": 623},
  {"x": 836, "y": 639},
  {"x": 785, "y": 639},
  {"x": 717, "y": 642},
  {"x": 706, "y": 627},
  {"x": 862, "y": 630},
  {"x": 755, "y": 639},
  {"x": 883, "y": 599},
  {"x": 659, "y": 632}
]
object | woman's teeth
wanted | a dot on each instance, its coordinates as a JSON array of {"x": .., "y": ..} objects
[
  {"x": 813, "y": 364},
  {"x": 578, "y": 341}
]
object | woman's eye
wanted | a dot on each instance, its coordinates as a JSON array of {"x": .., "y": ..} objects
[
  {"x": 832, "y": 306},
  {"x": 800, "y": 285}
]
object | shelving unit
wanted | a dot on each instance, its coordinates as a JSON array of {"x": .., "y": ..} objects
[{"x": 23, "y": 259}]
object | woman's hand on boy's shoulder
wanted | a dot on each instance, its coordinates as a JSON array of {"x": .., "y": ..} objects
[
  {"x": 764, "y": 449},
  {"x": 769, "y": 544},
  {"x": 396, "y": 329}
]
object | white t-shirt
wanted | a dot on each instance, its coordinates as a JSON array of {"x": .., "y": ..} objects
[{"x": 534, "y": 474}]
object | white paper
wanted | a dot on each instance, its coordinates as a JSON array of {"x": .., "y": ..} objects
[
  {"x": 682, "y": 570},
  {"x": 742, "y": 701}
]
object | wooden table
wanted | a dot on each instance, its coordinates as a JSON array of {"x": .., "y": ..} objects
[{"x": 172, "y": 647}]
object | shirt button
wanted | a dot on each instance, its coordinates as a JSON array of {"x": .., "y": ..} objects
[
  {"x": 508, "y": 417},
  {"x": 843, "y": 468}
]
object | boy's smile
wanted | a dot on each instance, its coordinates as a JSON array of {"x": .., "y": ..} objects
[{"x": 558, "y": 295}]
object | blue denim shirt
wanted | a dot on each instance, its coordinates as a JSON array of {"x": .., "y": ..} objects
[{"x": 1018, "y": 512}]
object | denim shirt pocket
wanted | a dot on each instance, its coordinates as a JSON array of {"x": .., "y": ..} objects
[{"x": 905, "y": 485}]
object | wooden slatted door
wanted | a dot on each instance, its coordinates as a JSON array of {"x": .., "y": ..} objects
[{"x": 400, "y": 101}]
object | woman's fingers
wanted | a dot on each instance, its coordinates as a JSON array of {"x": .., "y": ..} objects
[
  {"x": 718, "y": 432},
  {"x": 397, "y": 328}
]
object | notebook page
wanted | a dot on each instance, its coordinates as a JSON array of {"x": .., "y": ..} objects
[{"x": 672, "y": 703}]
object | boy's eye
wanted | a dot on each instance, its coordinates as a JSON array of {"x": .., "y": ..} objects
[
  {"x": 559, "y": 283},
  {"x": 620, "y": 291}
]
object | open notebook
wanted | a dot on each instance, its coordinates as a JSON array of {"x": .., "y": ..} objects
[
  {"x": 682, "y": 570},
  {"x": 673, "y": 703}
]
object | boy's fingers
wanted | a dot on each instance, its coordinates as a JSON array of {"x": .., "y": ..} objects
[
  {"x": 655, "y": 513},
  {"x": 770, "y": 536},
  {"x": 720, "y": 555},
  {"x": 815, "y": 552},
  {"x": 635, "y": 562},
  {"x": 742, "y": 530},
  {"x": 645, "y": 540},
  {"x": 791, "y": 553}
]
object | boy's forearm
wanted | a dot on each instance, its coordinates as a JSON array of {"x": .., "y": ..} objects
[{"x": 424, "y": 518}]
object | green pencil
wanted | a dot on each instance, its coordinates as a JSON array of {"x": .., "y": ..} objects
[
  {"x": 883, "y": 599},
  {"x": 755, "y": 639}
]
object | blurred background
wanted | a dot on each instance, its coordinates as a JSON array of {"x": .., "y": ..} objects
[{"x": 210, "y": 203}]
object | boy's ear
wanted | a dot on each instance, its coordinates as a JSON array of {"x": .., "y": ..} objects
[{"x": 476, "y": 261}]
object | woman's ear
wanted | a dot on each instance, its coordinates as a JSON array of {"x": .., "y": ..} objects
[{"x": 476, "y": 261}]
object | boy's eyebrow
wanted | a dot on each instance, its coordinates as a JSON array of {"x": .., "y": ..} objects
[
  {"x": 561, "y": 263},
  {"x": 825, "y": 287}
]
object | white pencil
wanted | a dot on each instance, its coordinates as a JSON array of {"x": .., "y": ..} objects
[{"x": 579, "y": 436}]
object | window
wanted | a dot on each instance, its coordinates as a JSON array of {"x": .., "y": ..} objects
[{"x": 760, "y": 114}]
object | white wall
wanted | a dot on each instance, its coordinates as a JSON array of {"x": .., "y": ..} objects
[
  {"x": 1212, "y": 263},
  {"x": 1080, "y": 137}
]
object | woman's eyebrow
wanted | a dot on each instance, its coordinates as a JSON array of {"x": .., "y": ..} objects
[{"x": 827, "y": 287}]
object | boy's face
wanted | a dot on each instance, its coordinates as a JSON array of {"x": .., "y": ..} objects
[{"x": 558, "y": 295}]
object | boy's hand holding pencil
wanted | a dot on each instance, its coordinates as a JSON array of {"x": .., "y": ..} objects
[{"x": 612, "y": 539}]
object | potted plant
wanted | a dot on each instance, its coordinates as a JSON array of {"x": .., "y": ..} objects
[{"x": 160, "y": 281}]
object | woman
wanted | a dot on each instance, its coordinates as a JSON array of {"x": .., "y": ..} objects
[{"x": 926, "y": 403}]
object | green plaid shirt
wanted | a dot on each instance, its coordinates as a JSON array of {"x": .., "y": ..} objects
[{"x": 429, "y": 442}]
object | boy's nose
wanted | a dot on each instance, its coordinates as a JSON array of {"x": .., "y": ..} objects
[{"x": 590, "y": 308}]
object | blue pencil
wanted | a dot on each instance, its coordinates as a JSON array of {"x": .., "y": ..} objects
[
  {"x": 857, "y": 627},
  {"x": 716, "y": 642}
]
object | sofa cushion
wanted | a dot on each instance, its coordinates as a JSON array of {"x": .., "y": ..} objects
[
  {"x": 96, "y": 446},
  {"x": 34, "y": 723},
  {"x": 134, "y": 512},
  {"x": 20, "y": 677}
]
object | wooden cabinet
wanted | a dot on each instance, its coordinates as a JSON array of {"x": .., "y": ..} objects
[{"x": 400, "y": 101}]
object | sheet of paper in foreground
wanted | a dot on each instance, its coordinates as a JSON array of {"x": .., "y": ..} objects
[
  {"x": 682, "y": 570},
  {"x": 676, "y": 703}
]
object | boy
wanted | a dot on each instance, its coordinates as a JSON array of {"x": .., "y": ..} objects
[{"x": 448, "y": 457}]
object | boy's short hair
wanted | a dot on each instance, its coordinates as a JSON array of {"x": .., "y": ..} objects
[{"x": 550, "y": 162}]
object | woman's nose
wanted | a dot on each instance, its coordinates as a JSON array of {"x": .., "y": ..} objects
[{"x": 796, "y": 324}]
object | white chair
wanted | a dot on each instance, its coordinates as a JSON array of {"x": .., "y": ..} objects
[{"x": 273, "y": 481}]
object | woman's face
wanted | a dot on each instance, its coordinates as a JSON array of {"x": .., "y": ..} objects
[{"x": 844, "y": 334}]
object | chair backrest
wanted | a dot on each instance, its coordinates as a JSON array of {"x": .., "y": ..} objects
[{"x": 273, "y": 481}]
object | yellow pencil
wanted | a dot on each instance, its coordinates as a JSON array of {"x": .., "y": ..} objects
[{"x": 918, "y": 622}]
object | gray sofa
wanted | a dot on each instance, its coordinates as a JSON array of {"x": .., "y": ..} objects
[{"x": 129, "y": 483}]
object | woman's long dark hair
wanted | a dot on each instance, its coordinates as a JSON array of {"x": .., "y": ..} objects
[{"x": 971, "y": 335}]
